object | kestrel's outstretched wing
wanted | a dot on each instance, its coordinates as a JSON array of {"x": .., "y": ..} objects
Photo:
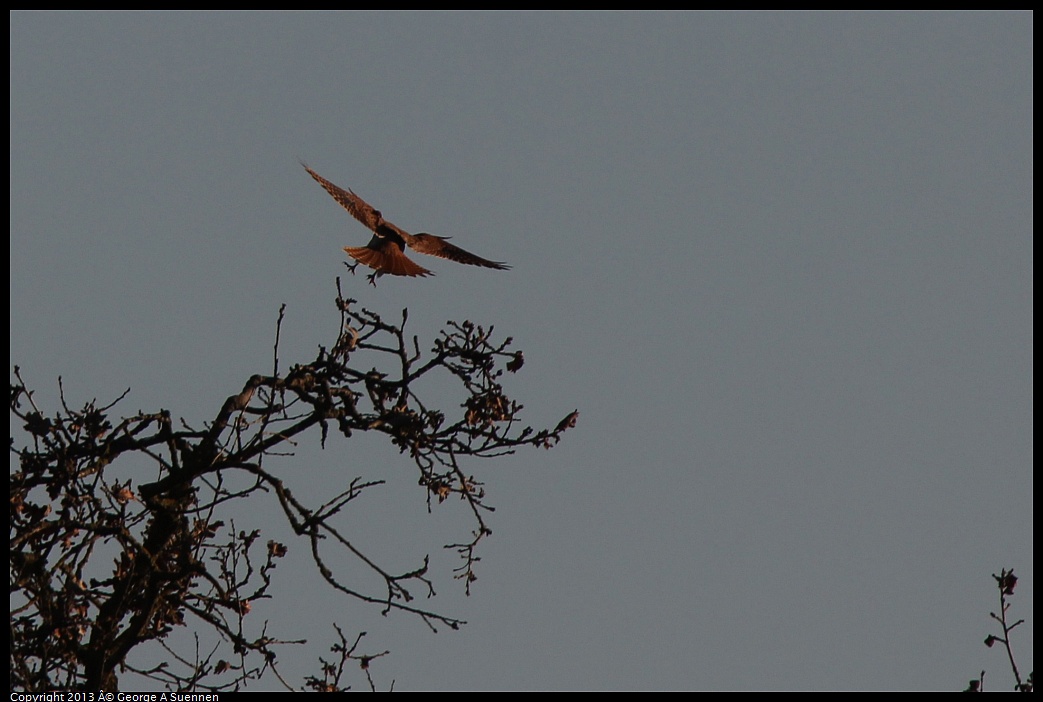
[
  {"x": 385, "y": 252},
  {"x": 359, "y": 208},
  {"x": 438, "y": 246}
]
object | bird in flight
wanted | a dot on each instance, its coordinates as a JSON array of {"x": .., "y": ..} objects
[{"x": 385, "y": 252}]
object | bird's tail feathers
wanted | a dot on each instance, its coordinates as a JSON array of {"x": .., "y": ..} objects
[{"x": 392, "y": 262}]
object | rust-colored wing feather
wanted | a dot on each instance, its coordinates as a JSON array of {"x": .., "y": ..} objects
[
  {"x": 438, "y": 246},
  {"x": 359, "y": 208}
]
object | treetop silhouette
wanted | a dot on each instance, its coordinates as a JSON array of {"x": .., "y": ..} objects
[{"x": 119, "y": 527}]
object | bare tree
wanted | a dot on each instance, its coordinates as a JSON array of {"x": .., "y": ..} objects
[
  {"x": 1005, "y": 581},
  {"x": 101, "y": 566}
]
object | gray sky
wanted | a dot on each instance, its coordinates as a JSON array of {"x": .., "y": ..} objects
[{"x": 782, "y": 263}]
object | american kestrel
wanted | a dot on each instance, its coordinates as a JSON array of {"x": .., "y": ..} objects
[{"x": 385, "y": 251}]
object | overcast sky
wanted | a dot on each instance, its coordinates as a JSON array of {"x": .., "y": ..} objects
[{"x": 782, "y": 264}]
